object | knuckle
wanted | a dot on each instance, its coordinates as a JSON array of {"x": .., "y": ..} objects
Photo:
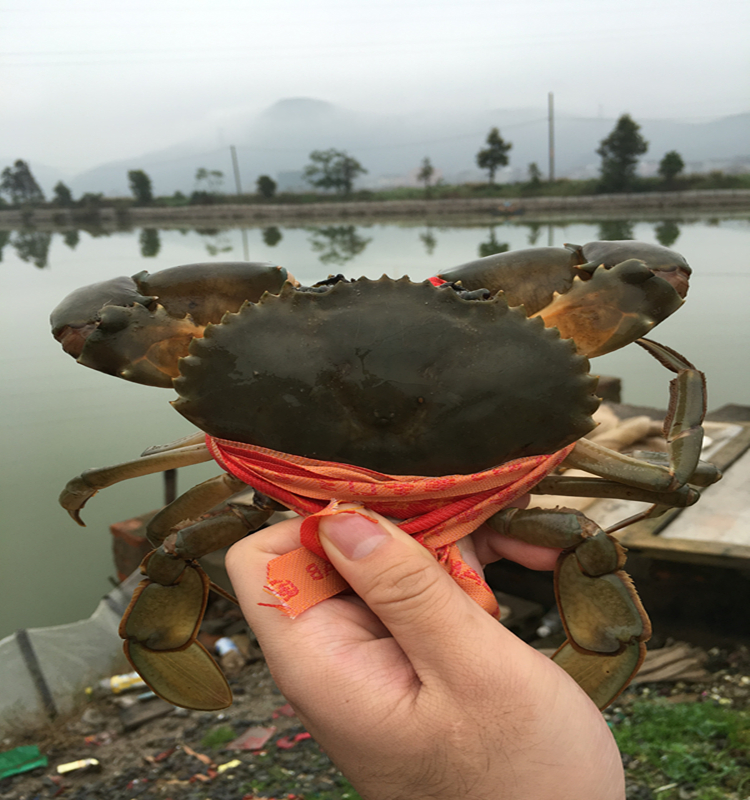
[{"x": 410, "y": 586}]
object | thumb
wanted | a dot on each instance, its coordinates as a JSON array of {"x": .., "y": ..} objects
[{"x": 402, "y": 584}]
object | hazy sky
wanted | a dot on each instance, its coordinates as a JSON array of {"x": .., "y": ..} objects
[{"x": 87, "y": 81}]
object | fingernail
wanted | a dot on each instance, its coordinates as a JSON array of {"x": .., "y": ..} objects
[{"x": 354, "y": 535}]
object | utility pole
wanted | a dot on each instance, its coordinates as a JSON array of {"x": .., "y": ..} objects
[
  {"x": 236, "y": 166},
  {"x": 551, "y": 118}
]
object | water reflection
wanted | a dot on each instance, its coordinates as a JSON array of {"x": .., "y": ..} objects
[
  {"x": 667, "y": 233},
  {"x": 149, "y": 242},
  {"x": 612, "y": 230},
  {"x": 492, "y": 246},
  {"x": 535, "y": 231},
  {"x": 32, "y": 246},
  {"x": 337, "y": 244},
  {"x": 334, "y": 244},
  {"x": 428, "y": 240},
  {"x": 217, "y": 241},
  {"x": 271, "y": 236}
]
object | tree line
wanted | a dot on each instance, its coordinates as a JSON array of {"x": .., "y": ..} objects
[{"x": 336, "y": 170}]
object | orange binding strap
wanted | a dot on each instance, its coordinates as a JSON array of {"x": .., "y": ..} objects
[{"x": 437, "y": 512}]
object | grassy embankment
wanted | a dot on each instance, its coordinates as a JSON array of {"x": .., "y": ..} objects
[
  {"x": 559, "y": 188},
  {"x": 91, "y": 203}
]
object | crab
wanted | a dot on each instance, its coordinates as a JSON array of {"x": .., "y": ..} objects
[{"x": 484, "y": 364}]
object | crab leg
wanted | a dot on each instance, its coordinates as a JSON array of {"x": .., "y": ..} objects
[
  {"x": 597, "y": 487},
  {"x": 687, "y": 406},
  {"x": 194, "y": 438},
  {"x": 682, "y": 429},
  {"x": 191, "y": 505},
  {"x": 162, "y": 621},
  {"x": 81, "y": 488},
  {"x": 649, "y": 475},
  {"x": 601, "y": 612}
]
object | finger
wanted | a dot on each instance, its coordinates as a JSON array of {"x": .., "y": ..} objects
[
  {"x": 468, "y": 551},
  {"x": 247, "y": 564},
  {"x": 402, "y": 583},
  {"x": 491, "y": 546}
]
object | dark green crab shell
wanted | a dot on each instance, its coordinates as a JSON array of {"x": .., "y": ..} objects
[{"x": 395, "y": 376}]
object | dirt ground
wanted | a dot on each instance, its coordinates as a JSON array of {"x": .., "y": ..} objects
[
  {"x": 180, "y": 754},
  {"x": 183, "y": 754}
]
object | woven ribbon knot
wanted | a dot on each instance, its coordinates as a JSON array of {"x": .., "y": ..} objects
[{"x": 436, "y": 511}]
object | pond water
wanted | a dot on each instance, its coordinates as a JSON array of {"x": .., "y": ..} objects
[{"x": 59, "y": 418}]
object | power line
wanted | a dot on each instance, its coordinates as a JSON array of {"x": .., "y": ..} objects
[{"x": 320, "y": 49}]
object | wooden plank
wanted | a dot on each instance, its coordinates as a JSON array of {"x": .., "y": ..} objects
[{"x": 644, "y": 537}]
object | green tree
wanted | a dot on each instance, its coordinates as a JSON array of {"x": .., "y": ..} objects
[
  {"x": 619, "y": 153},
  {"x": 266, "y": 186},
  {"x": 535, "y": 175},
  {"x": 140, "y": 186},
  {"x": 20, "y": 185},
  {"x": 425, "y": 174},
  {"x": 495, "y": 155},
  {"x": 208, "y": 180},
  {"x": 90, "y": 204},
  {"x": 671, "y": 166},
  {"x": 63, "y": 195},
  {"x": 333, "y": 169}
]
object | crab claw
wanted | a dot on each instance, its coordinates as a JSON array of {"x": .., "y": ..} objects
[
  {"x": 77, "y": 316},
  {"x": 603, "y": 295},
  {"x": 160, "y": 628},
  {"x": 663, "y": 262},
  {"x": 601, "y": 612},
  {"x": 601, "y": 678},
  {"x": 614, "y": 307},
  {"x": 138, "y": 328}
]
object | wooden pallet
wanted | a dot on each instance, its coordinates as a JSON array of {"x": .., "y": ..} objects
[{"x": 660, "y": 538}]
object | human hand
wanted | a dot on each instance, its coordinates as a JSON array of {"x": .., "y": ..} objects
[{"x": 414, "y": 691}]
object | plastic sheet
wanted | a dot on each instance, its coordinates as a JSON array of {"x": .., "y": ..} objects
[{"x": 69, "y": 658}]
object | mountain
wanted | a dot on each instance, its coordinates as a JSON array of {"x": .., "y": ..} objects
[{"x": 278, "y": 141}]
